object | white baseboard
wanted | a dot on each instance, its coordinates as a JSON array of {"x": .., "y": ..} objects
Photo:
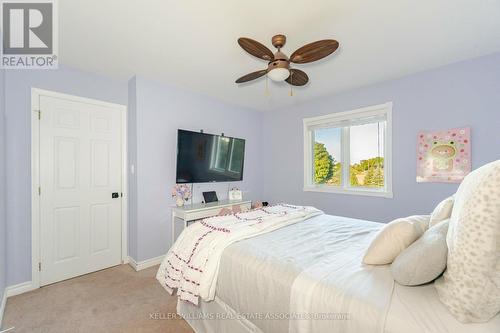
[
  {"x": 140, "y": 265},
  {"x": 24, "y": 287},
  {"x": 20, "y": 288},
  {"x": 2, "y": 307},
  {"x": 13, "y": 291}
]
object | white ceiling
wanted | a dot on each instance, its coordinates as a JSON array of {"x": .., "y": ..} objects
[{"x": 193, "y": 43}]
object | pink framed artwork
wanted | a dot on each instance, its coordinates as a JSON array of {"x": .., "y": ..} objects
[{"x": 443, "y": 156}]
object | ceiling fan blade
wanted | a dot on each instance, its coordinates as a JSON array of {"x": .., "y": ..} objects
[
  {"x": 255, "y": 48},
  {"x": 297, "y": 77},
  {"x": 251, "y": 76},
  {"x": 314, "y": 51}
]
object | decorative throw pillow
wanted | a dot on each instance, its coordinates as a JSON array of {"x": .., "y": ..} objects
[
  {"x": 470, "y": 287},
  {"x": 425, "y": 259},
  {"x": 442, "y": 211},
  {"x": 394, "y": 237}
]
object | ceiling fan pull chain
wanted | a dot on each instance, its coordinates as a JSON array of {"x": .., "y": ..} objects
[{"x": 291, "y": 85}]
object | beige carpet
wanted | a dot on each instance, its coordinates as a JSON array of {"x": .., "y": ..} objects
[{"x": 117, "y": 299}]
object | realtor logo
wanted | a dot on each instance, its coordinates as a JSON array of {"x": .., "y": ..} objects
[{"x": 29, "y": 37}]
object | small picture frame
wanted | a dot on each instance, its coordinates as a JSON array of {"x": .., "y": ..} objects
[{"x": 235, "y": 194}]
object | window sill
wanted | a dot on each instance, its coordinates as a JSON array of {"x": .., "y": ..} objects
[{"x": 350, "y": 191}]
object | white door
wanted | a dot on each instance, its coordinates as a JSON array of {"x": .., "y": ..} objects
[{"x": 80, "y": 169}]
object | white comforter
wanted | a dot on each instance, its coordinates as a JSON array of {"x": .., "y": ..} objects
[
  {"x": 314, "y": 267},
  {"x": 313, "y": 273},
  {"x": 344, "y": 290},
  {"x": 191, "y": 266}
]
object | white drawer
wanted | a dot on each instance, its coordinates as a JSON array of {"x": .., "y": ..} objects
[
  {"x": 199, "y": 211},
  {"x": 190, "y": 216}
]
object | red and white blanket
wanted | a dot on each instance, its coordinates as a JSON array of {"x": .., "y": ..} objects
[{"x": 191, "y": 265}]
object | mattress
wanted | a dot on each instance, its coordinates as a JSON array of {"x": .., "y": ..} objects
[{"x": 261, "y": 283}]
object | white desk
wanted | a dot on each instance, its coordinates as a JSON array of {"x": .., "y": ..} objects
[{"x": 193, "y": 212}]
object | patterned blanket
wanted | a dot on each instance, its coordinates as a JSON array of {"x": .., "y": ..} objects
[{"x": 191, "y": 265}]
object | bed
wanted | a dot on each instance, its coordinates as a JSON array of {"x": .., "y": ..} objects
[{"x": 308, "y": 277}]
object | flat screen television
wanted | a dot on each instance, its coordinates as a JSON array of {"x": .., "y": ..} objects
[{"x": 203, "y": 158}]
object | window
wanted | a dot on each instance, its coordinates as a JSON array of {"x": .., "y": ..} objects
[
  {"x": 349, "y": 152},
  {"x": 220, "y": 151},
  {"x": 237, "y": 153},
  {"x": 227, "y": 155}
]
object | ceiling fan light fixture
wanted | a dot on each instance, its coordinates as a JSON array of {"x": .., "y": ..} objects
[
  {"x": 278, "y": 64},
  {"x": 278, "y": 74}
]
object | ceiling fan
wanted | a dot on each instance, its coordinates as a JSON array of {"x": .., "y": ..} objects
[{"x": 278, "y": 68}]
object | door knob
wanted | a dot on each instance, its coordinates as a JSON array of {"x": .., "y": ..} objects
[{"x": 115, "y": 195}]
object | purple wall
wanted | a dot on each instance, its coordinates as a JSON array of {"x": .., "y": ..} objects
[
  {"x": 18, "y": 84},
  {"x": 461, "y": 94},
  {"x": 132, "y": 158},
  {"x": 160, "y": 110},
  {"x": 3, "y": 222}
]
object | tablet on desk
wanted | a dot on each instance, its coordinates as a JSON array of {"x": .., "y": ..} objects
[{"x": 210, "y": 196}]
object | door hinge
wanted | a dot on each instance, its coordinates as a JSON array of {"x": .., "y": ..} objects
[
  {"x": 39, "y": 266},
  {"x": 39, "y": 114},
  {"x": 39, "y": 190}
]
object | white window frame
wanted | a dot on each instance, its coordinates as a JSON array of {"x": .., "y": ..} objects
[
  {"x": 381, "y": 110},
  {"x": 231, "y": 157},
  {"x": 215, "y": 155}
]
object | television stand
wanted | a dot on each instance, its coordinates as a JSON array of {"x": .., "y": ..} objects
[{"x": 190, "y": 213}]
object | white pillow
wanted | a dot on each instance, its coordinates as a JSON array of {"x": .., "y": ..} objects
[
  {"x": 442, "y": 211},
  {"x": 425, "y": 259},
  {"x": 394, "y": 237},
  {"x": 470, "y": 286}
]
